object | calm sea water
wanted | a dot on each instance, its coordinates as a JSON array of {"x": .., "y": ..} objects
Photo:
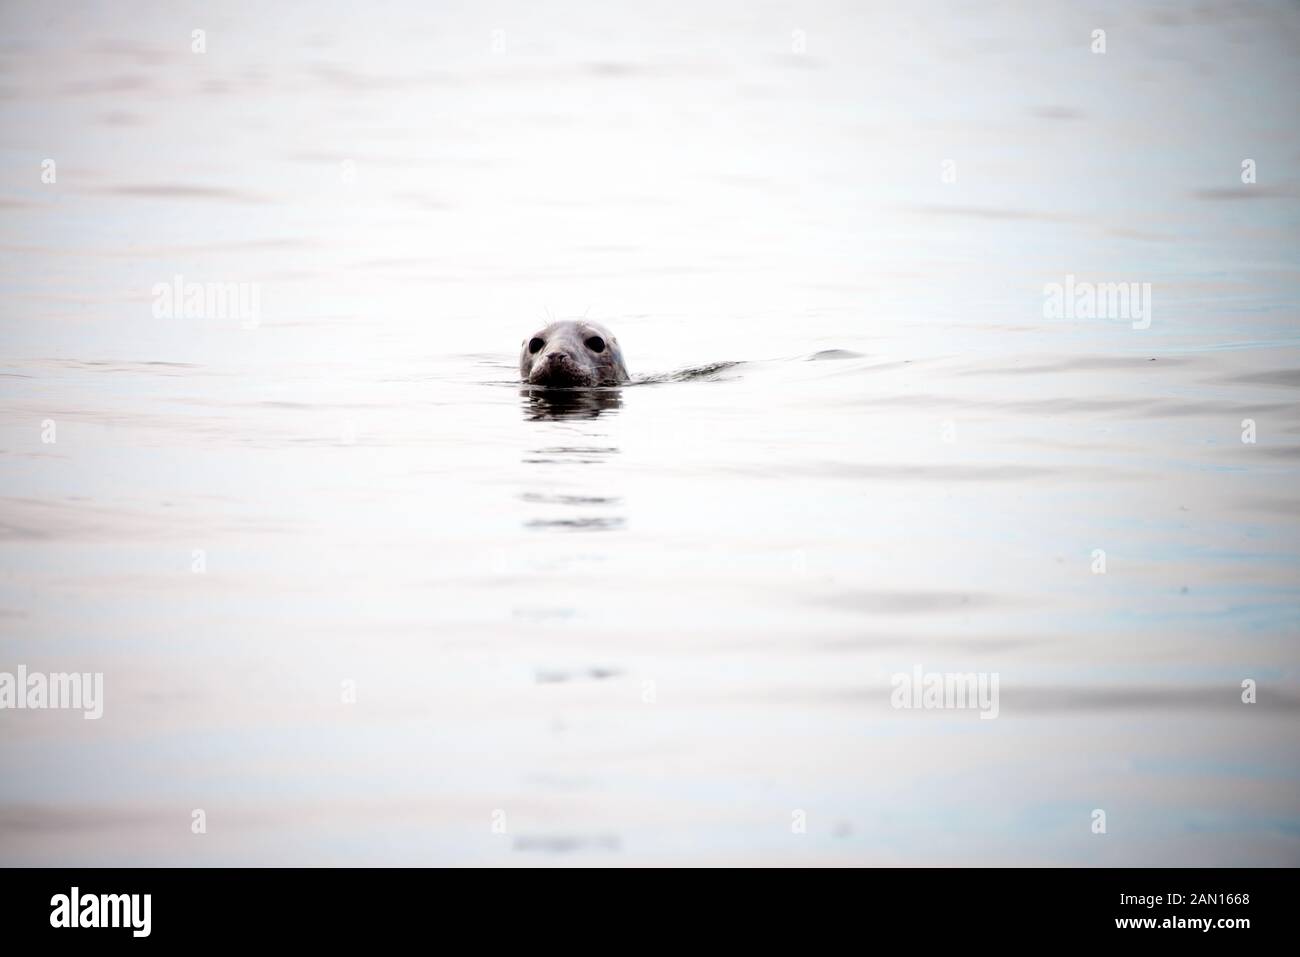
[{"x": 359, "y": 600}]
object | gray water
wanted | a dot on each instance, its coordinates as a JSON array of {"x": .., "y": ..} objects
[{"x": 361, "y": 600}]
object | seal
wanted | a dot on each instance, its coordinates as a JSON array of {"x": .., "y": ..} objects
[{"x": 572, "y": 355}]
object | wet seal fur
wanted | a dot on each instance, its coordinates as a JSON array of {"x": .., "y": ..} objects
[{"x": 572, "y": 354}]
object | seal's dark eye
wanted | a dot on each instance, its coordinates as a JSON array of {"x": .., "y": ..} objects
[
  {"x": 536, "y": 345},
  {"x": 596, "y": 344}
]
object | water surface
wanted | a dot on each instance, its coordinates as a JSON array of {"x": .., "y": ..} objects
[{"x": 652, "y": 625}]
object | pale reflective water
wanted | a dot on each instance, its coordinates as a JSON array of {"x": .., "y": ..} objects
[{"x": 657, "y": 624}]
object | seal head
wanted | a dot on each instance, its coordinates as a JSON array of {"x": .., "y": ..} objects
[{"x": 572, "y": 355}]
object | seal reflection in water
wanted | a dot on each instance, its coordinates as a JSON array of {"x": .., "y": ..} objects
[{"x": 543, "y": 403}]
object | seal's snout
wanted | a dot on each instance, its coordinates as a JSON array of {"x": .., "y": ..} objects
[{"x": 560, "y": 368}]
